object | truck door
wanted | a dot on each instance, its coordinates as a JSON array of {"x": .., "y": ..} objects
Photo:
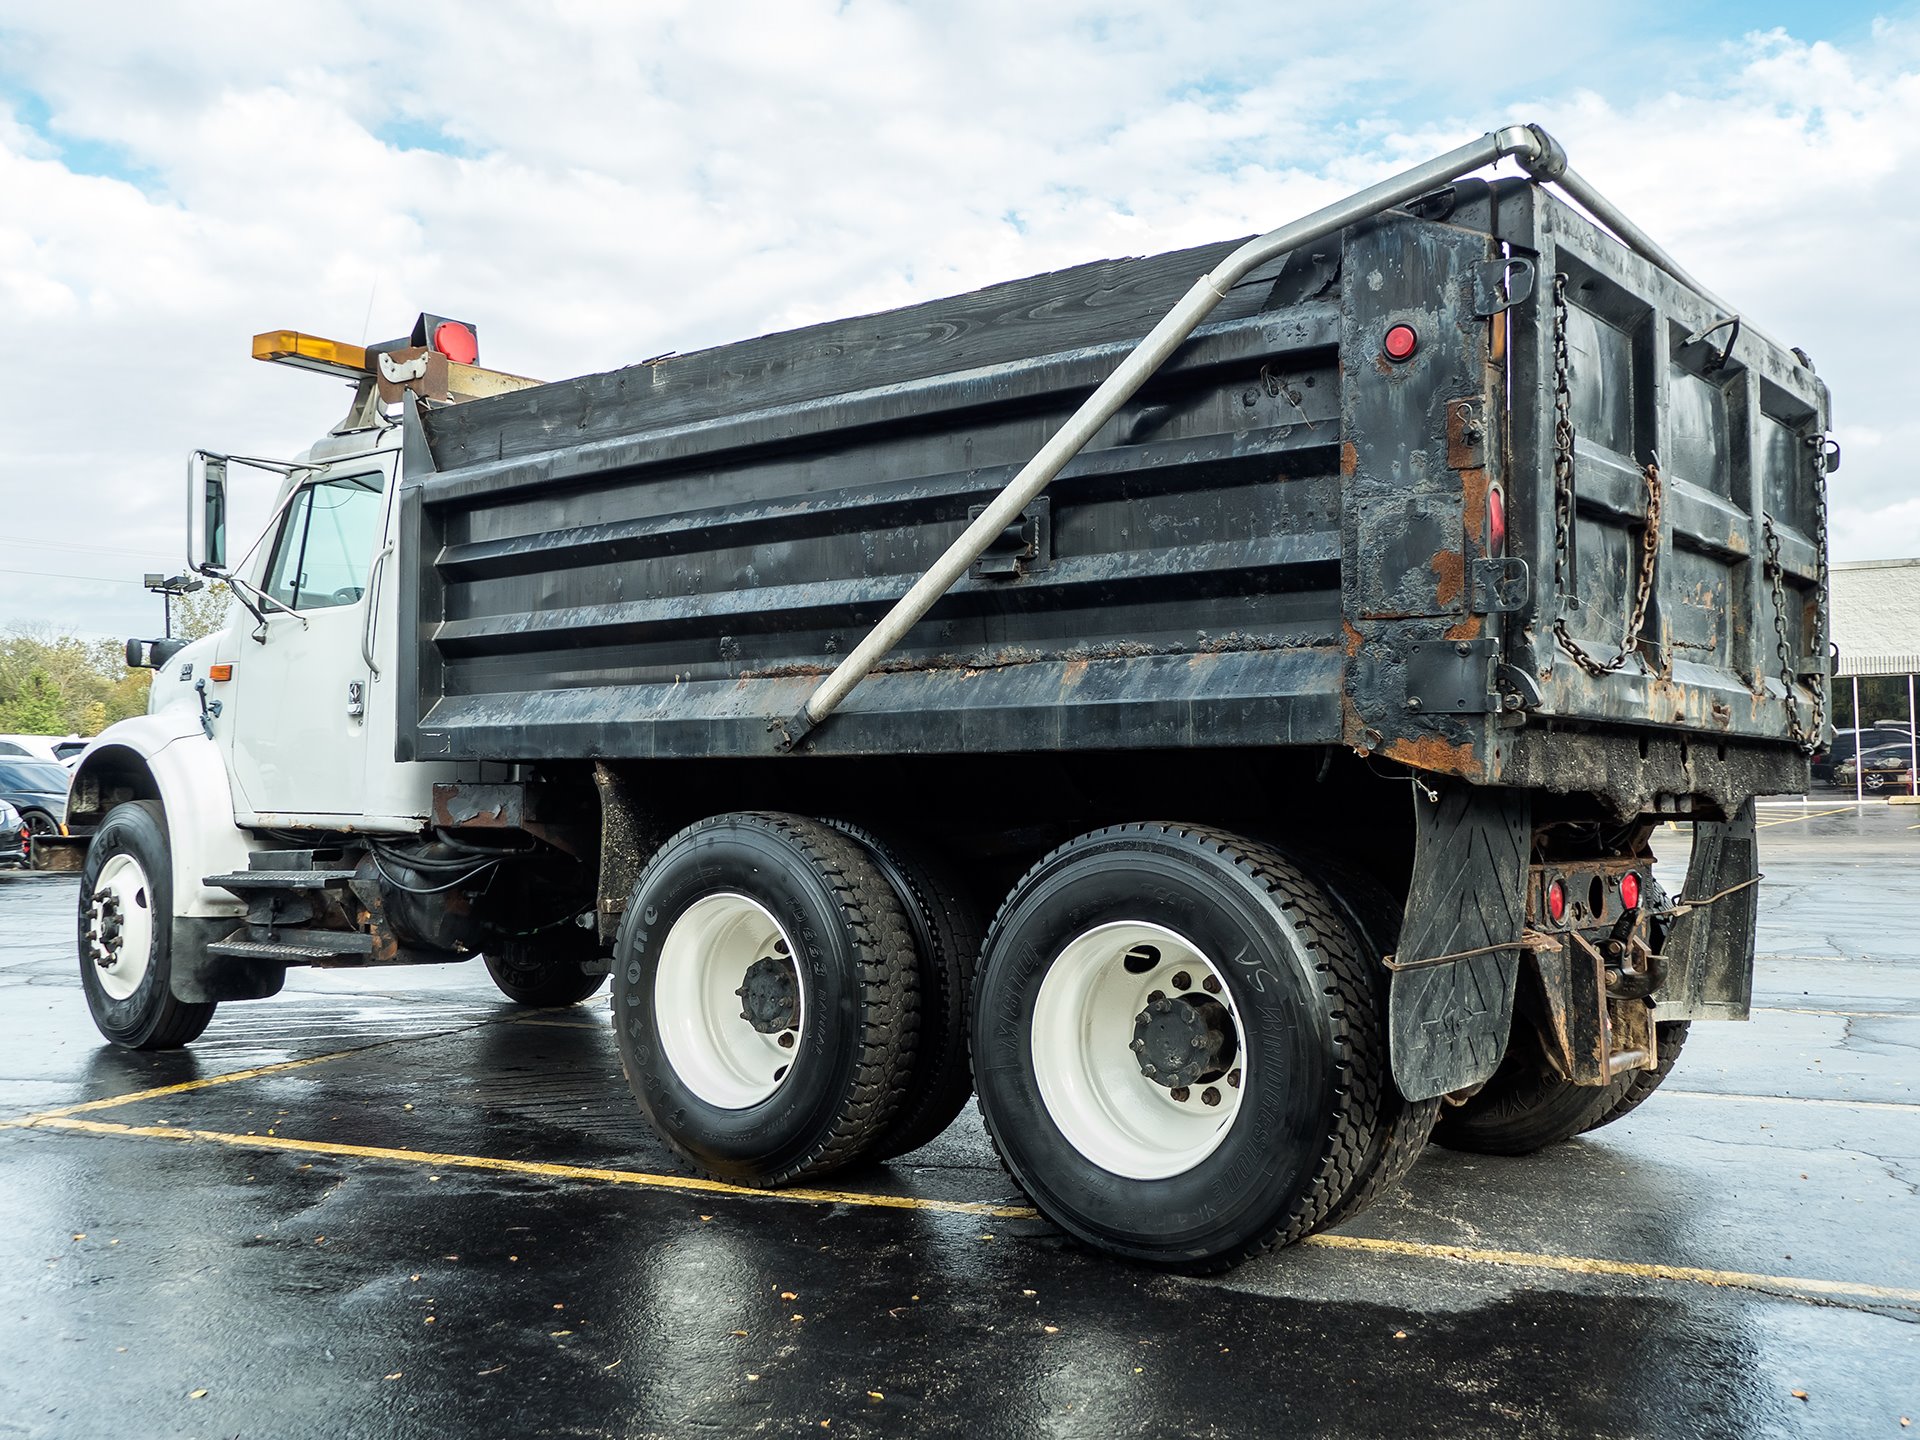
[{"x": 299, "y": 710}]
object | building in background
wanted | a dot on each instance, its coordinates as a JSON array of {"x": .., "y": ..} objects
[{"x": 1876, "y": 628}]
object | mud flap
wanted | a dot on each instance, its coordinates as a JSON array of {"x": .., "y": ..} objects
[
  {"x": 1448, "y": 1024},
  {"x": 1708, "y": 958},
  {"x": 197, "y": 977}
]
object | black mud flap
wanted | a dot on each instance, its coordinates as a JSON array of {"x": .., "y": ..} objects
[
  {"x": 1707, "y": 962},
  {"x": 1448, "y": 1023}
]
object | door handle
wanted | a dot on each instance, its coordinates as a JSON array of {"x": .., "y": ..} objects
[{"x": 373, "y": 609}]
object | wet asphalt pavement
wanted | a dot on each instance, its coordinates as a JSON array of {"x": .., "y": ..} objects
[{"x": 457, "y": 1225}]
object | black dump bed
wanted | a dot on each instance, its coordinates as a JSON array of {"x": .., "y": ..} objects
[{"x": 1281, "y": 540}]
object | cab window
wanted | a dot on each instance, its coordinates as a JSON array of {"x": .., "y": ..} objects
[{"x": 325, "y": 545}]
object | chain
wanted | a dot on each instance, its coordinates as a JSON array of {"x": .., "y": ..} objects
[
  {"x": 1563, "y": 510},
  {"x": 1777, "y": 582},
  {"x": 1776, "y": 573},
  {"x": 1819, "y": 736}
]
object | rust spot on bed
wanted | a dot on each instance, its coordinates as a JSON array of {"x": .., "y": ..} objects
[
  {"x": 1449, "y": 578},
  {"x": 1431, "y": 752}
]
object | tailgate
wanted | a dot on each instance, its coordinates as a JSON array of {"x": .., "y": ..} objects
[{"x": 1725, "y": 621}]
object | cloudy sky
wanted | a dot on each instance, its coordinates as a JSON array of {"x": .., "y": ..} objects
[{"x": 597, "y": 183}]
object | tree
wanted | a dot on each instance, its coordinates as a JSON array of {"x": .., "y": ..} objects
[
  {"x": 52, "y": 684},
  {"x": 199, "y": 614}
]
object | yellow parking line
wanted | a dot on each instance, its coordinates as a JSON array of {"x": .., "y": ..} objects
[
  {"x": 1412, "y": 1249},
  {"x": 1740, "y": 1099},
  {"x": 537, "y": 1167},
  {"x": 1839, "y": 1014},
  {"x": 1626, "y": 1269},
  {"x": 1811, "y": 815},
  {"x": 184, "y": 1087}
]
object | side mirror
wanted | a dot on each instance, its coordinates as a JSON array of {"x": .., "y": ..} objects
[
  {"x": 153, "y": 654},
  {"x": 207, "y": 513}
]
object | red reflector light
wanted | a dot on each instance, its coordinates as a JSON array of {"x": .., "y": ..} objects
[
  {"x": 1496, "y": 522},
  {"x": 456, "y": 342},
  {"x": 1400, "y": 343},
  {"x": 1630, "y": 891},
  {"x": 1557, "y": 901}
]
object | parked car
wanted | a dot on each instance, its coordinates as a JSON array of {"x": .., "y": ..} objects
[
  {"x": 1846, "y": 742},
  {"x": 13, "y": 837},
  {"x": 38, "y": 790},
  {"x": 1881, "y": 767},
  {"x": 62, "y": 749}
]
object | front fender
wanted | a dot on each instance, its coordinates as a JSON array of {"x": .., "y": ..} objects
[{"x": 167, "y": 757}]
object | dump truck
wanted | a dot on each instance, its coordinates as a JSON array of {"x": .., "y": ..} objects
[{"x": 1213, "y": 707}]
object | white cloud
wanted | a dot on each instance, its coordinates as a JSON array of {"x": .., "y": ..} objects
[{"x": 618, "y": 180}]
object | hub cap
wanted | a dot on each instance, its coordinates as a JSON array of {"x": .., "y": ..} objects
[
  {"x": 120, "y": 926},
  {"x": 729, "y": 1001},
  {"x": 1136, "y": 1050}
]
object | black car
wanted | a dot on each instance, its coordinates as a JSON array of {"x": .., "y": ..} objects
[
  {"x": 38, "y": 790},
  {"x": 1881, "y": 767},
  {"x": 13, "y": 837},
  {"x": 1846, "y": 743}
]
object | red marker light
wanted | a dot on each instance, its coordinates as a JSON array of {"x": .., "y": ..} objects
[
  {"x": 1400, "y": 343},
  {"x": 1557, "y": 901},
  {"x": 456, "y": 342},
  {"x": 1496, "y": 522},
  {"x": 1630, "y": 891}
]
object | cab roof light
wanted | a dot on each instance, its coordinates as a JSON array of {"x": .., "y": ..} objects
[{"x": 311, "y": 352}]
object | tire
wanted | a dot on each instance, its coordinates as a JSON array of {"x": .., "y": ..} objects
[
  {"x": 722, "y": 904},
  {"x": 126, "y": 913},
  {"x": 1669, "y": 1037},
  {"x": 1403, "y": 1126},
  {"x": 39, "y": 822},
  {"x": 544, "y": 970},
  {"x": 1117, "y": 919},
  {"x": 1526, "y": 1106},
  {"x": 946, "y": 929}
]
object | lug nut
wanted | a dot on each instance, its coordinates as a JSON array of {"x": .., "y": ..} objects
[
  {"x": 1211, "y": 984},
  {"x": 1139, "y": 1044},
  {"x": 1180, "y": 1093},
  {"x": 1162, "y": 1005},
  {"x": 1210, "y": 1096},
  {"x": 1233, "y": 1078},
  {"x": 786, "y": 1040},
  {"x": 1156, "y": 995},
  {"x": 1149, "y": 1069},
  {"x": 1182, "y": 980}
]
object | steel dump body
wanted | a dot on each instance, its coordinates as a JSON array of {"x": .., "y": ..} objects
[{"x": 1282, "y": 540}]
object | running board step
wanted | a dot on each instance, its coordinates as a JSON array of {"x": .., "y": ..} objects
[
  {"x": 312, "y": 948},
  {"x": 279, "y": 879}
]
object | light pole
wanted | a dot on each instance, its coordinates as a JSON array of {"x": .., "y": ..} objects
[{"x": 168, "y": 586}]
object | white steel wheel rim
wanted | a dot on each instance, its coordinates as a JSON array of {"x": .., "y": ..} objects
[
  {"x": 714, "y": 1050},
  {"x": 1089, "y": 1077},
  {"x": 120, "y": 926}
]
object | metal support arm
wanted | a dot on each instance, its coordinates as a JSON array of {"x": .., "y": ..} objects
[{"x": 1537, "y": 152}]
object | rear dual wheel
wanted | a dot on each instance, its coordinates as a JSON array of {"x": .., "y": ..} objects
[
  {"x": 767, "y": 998},
  {"x": 1179, "y": 1046},
  {"x": 1528, "y": 1105}
]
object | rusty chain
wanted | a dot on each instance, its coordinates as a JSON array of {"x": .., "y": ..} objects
[
  {"x": 1776, "y": 573},
  {"x": 1563, "y": 501}
]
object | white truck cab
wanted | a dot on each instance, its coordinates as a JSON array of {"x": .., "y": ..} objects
[{"x": 276, "y": 724}]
